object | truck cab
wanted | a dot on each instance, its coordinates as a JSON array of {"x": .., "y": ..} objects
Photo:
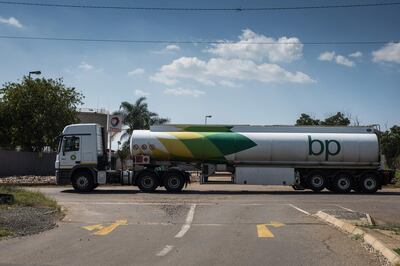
[{"x": 81, "y": 158}]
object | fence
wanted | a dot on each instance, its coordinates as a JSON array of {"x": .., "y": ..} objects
[{"x": 26, "y": 163}]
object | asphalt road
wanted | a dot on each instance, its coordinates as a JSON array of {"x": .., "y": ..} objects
[{"x": 205, "y": 225}]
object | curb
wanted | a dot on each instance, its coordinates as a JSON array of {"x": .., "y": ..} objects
[{"x": 378, "y": 245}]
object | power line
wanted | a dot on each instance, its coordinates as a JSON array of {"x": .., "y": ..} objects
[
  {"x": 192, "y": 42},
  {"x": 200, "y": 9}
]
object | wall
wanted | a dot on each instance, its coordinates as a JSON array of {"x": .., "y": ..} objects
[{"x": 26, "y": 163}]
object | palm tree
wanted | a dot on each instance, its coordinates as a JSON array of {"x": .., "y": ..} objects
[{"x": 138, "y": 116}]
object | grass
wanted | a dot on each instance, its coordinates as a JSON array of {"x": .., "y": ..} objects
[
  {"x": 23, "y": 197},
  {"x": 357, "y": 237},
  {"x": 4, "y": 232},
  {"x": 393, "y": 228},
  {"x": 397, "y": 250},
  {"x": 397, "y": 177}
]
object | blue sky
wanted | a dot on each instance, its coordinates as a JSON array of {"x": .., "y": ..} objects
[{"x": 237, "y": 82}]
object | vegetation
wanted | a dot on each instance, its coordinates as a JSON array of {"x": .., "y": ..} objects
[
  {"x": 24, "y": 197},
  {"x": 138, "y": 116},
  {"x": 339, "y": 119},
  {"x": 390, "y": 143},
  {"x": 35, "y": 111}
]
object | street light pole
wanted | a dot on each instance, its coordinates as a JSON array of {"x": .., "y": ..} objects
[
  {"x": 205, "y": 119},
  {"x": 34, "y": 73}
]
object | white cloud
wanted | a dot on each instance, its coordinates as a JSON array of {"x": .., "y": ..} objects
[
  {"x": 222, "y": 69},
  {"x": 11, "y": 21},
  {"x": 169, "y": 49},
  {"x": 339, "y": 59},
  {"x": 357, "y": 54},
  {"x": 184, "y": 92},
  {"x": 141, "y": 93},
  {"x": 172, "y": 47},
  {"x": 135, "y": 72},
  {"x": 85, "y": 66},
  {"x": 342, "y": 60},
  {"x": 388, "y": 53},
  {"x": 228, "y": 83},
  {"x": 326, "y": 56},
  {"x": 259, "y": 47}
]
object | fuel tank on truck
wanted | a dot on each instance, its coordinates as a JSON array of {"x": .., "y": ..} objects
[{"x": 259, "y": 145}]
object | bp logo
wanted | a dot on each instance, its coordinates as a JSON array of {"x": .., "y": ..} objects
[
  {"x": 73, "y": 157},
  {"x": 114, "y": 121},
  {"x": 317, "y": 147}
]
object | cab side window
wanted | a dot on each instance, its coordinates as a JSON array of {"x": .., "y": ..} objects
[{"x": 71, "y": 144}]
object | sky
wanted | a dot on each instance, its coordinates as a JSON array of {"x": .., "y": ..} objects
[{"x": 240, "y": 80}]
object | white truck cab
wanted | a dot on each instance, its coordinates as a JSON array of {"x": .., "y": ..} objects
[{"x": 81, "y": 153}]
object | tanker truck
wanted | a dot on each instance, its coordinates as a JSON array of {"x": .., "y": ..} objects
[{"x": 339, "y": 159}]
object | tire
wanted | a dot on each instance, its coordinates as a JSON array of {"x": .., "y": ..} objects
[
  {"x": 173, "y": 181},
  {"x": 369, "y": 182},
  {"x": 148, "y": 182},
  {"x": 342, "y": 183},
  {"x": 83, "y": 182},
  {"x": 316, "y": 181}
]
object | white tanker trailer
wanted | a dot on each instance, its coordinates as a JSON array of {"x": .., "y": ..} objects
[{"x": 340, "y": 159}]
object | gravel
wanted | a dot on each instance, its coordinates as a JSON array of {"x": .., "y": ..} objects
[
  {"x": 28, "y": 180},
  {"x": 21, "y": 220}
]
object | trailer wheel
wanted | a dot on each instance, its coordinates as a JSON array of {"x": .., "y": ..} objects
[
  {"x": 173, "y": 181},
  {"x": 369, "y": 183},
  {"x": 148, "y": 182},
  {"x": 316, "y": 181},
  {"x": 342, "y": 183},
  {"x": 83, "y": 182}
]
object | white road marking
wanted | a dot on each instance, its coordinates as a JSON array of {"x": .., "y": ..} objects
[
  {"x": 189, "y": 220},
  {"x": 300, "y": 210},
  {"x": 165, "y": 250},
  {"x": 132, "y": 203},
  {"x": 344, "y": 208}
]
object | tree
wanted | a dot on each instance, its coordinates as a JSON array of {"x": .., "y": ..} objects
[
  {"x": 138, "y": 116},
  {"x": 339, "y": 119},
  {"x": 36, "y": 111},
  {"x": 306, "y": 120},
  {"x": 390, "y": 145}
]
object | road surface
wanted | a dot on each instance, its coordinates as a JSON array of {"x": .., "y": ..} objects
[{"x": 205, "y": 225}]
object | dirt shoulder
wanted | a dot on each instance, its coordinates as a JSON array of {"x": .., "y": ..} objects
[{"x": 30, "y": 212}]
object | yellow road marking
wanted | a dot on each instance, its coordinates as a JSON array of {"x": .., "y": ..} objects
[
  {"x": 93, "y": 227},
  {"x": 105, "y": 230},
  {"x": 263, "y": 231}
]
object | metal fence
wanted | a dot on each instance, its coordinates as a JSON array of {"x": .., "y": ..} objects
[{"x": 26, "y": 163}]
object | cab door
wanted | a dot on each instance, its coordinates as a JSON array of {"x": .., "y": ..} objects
[{"x": 71, "y": 152}]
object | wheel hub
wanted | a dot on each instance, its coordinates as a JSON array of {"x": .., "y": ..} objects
[
  {"x": 343, "y": 183},
  {"x": 369, "y": 183},
  {"x": 173, "y": 182},
  {"x": 82, "y": 182}
]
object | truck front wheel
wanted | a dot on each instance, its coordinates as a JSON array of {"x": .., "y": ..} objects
[
  {"x": 148, "y": 182},
  {"x": 174, "y": 181},
  {"x": 83, "y": 182}
]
